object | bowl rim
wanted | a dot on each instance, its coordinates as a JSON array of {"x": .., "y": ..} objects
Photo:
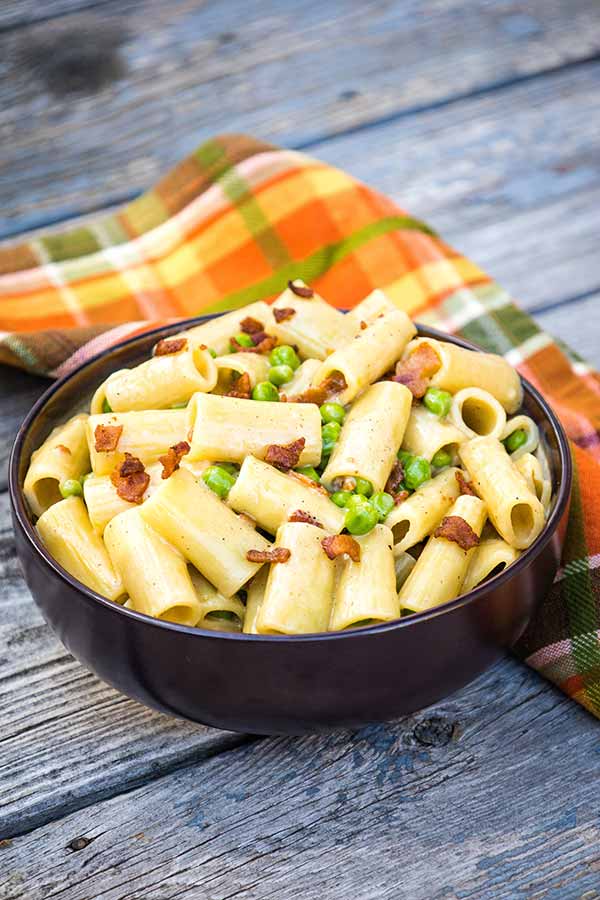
[{"x": 19, "y": 507}]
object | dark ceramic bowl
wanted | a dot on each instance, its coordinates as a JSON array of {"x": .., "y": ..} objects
[{"x": 272, "y": 684}]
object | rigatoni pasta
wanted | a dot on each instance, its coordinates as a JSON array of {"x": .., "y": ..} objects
[{"x": 289, "y": 469}]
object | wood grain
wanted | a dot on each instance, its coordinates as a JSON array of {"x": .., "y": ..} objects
[
  {"x": 177, "y": 73},
  {"x": 445, "y": 804}
]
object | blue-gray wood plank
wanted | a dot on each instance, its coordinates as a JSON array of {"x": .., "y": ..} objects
[{"x": 478, "y": 115}]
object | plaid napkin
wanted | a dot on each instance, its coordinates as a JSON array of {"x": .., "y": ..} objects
[{"x": 231, "y": 224}]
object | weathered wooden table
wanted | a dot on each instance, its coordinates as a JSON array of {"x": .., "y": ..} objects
[{"x": 479, "y": 116}]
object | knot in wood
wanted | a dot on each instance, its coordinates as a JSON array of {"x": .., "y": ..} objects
[
  {"x": 434, "y": 732},
  {"x": 79, "y": 843}
]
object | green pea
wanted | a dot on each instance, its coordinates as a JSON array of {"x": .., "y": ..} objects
[
  {"x": 218, "y": 480},
  {"x": 181, "y": 405},
  {"x": 515, "y": 440},
  {"x": 284, "y": 356},
  {"x": 405, "y": 457},
  {"x": 229, "y": 467},
  {"x": 383, "y": 504},
  {"x": 264, "y": 390},
  {"x": 329, "y": 434},
  {"x": 360, "y": 517},
  {"x": 70, "y": 487},
  {"x": 341, "y": 498},
  {"x": 332, "y": 412},
  {"x": 437, "y": 401},
  {"x": 106, "y": 407},
  {"x": 441, "y": 459},
  {"x": 212, "y": 352},
  {"x": 244, "y": 340},
  {"x": 363, "y": 486},
  {"x": 281, "y": 374},
  {"x": 309, "y": 472},
  {"x": 416, "y": 472}
]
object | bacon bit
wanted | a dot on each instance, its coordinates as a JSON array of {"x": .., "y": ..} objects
[
  {"x": 401, "y": 497},
  {"x": 300, "y": 516},
  {"x": 416, "y": 371},
  {"x": 301, "y": 291},
  {"x": 242, "y": 388},
  {"x": 281, "y": 315},
  {"x": 276, "y": 555},
  {"x": 63, "y": 449},
  {"x": 257, "y": 337},
  {"x": 333, "y": 384},
  {"x": 395, "y": 478},
  {"x": 265, "y": 345},
  {"x": 170, "y": 461},
  {"x": 130, "y": 479},
  {"x": 454, "y": 528},
  {"x": 464, "y": 487},
  {"x": 106, "y": 437},
  {"x": 166, "y": 346},
  {"x": 251, "y": 326},
  {"x": 309, "y": 483},
  {"x": 363, "y": 325},
  {"x": 285, "y": 456},
  {"x": 336, "y": 545}
]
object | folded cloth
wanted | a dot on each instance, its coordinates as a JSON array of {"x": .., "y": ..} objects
[{"x": 232, "y": 224}]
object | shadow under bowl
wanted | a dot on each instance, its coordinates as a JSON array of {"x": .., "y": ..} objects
[{"x": 282, "y": 684}]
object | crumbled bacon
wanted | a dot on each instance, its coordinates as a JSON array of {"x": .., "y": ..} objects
[
  {"x": 63, "y": 449},
  {"x": 281, "y": 315},
  {"x": 168, "y": 346},
  {"x": 298, "y": 515},
  {"x": 396, "y": 476},
  {"x": 170, "y": 461},
  {"x": 251, "y": 326},
  {"x": 464, "y": 487},
  {"x": 309, "y": 482},
  {"x": 363, "y": 325},
  {"x": 334, "y": 384},
  {"x": 130, "y": 479},
  {"x": 300, "y": 290},
  {"x": 285, "y": 456},
  {"x": 276, "y": 555},
  {"x": 336, "y": 545},
  {"x": 454, "y": 528},
  {"x": 242, "y": 388},
  {"x": 400, "y": 497},
  {"x": 106, "y": 437},
  {"x": 265, "y": 344},
  {"x": 416, "y": 371}
]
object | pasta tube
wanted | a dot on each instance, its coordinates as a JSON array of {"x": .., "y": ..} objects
[
  {"x": 460, "y": 368},
  {"x": 375, "y": 305},
  {"x": 102, "y": 501},
  {"x": 441, "y": 568},
  {"x": 209, "y": 534},
  {"x": 256, "y": 594},
  {"x": 366, "y": 590},
  {"x": 368, "y": 355},
  {"x": 162, "y": 380},
  {"x": 270, "y": 496},
  {"x": 371, "y": 435},
  {"x": 63, "y": 455},
  {"x": 316, "y": 328},
  {"x": 299, "y": 592},
  {"x": 426, "y": 433},
  {"x": 526, "y": 424},
  {"x": 155, "y": 575},
  {"x": 422, "y": 512},
  {"x": 146, "y": 434},
  {"x": 302, "y": 380},
  {"x": 217, "y": 613},
  {"x": 516, "y": 513},
  {"x": 476, "y": 413},
  {"x": 232, "y": 365},
  {"x": 404, "y": 563},
  {"x": 227, "y": 428},
  {"x": 538, "y": 482},
  {"x": 69, "y": 537},
  {"x": 217, "y": 333},
  {"x": 492, "y": 556}
]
